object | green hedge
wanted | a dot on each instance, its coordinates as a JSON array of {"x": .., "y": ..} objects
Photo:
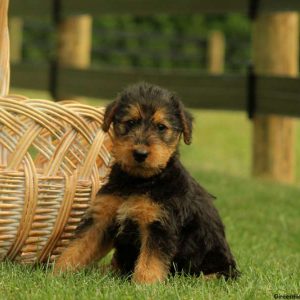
[{"x": 161, "y": 41}]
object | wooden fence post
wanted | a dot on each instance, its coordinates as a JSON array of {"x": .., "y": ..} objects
[
  {"x": 16, "y": 39},
  {"x": 216, "y": 52},
  {"x": 74, "y": 43},
  {"x": 275, "y": 52}
]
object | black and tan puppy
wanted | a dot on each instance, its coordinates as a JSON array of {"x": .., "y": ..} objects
[{"x": 152, "y": 212}]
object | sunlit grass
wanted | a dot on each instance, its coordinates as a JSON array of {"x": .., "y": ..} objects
[{"x": 262, "y": 221}]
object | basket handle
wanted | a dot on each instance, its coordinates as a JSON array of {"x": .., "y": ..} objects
[{"x": 4, "y": 49}]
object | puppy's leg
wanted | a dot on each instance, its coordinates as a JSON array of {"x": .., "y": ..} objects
[
  {"x": 93, "y": 243},
  {"x": 156, "y": 253},
  {"x": 86, "y": 249}
]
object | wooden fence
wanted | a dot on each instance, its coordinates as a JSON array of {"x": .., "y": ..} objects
[
  {"x": 273, "y": 95},
  {"x": 252, "y": 93},
  {"x": 229, "y": 92},
  {"x": 32, "y": 8}
]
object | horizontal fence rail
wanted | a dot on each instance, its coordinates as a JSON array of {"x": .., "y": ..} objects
[
  {"x": 273, "y": 94},
  {"x": 29, "y": 8}
]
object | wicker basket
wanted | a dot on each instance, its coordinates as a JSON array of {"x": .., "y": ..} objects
[{"x": 53, "y": 160}]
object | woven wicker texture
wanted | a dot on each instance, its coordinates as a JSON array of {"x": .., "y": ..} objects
[{"x": 53, "y": 160}]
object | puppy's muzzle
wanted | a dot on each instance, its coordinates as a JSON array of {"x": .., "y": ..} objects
[{"x": 140, "y": 155}]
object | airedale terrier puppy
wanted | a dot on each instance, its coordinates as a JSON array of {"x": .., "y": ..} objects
[{"x": 152, "y": 212}]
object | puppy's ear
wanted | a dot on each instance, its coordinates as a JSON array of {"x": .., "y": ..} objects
[
  {"x": 109, "y": 114},
  {"x": 186, "y": 120}
]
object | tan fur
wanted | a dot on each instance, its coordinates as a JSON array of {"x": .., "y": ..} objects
[
  {"x": 159, "y": 155},
  {"x": 79, "y": 255},
  {"x": 89, "y": 247},
  {"x": 160, "y": 117},
  {"x": 134, "y": 112},
  {"x": 159, "y": 152},
  {"x": 122, "y": 151},
  {"x": 141, "y": 210},
  {"x": 149, "y": 268},
  {"x": 104, "y": 209},
  {"x": 211, "y": 277}
]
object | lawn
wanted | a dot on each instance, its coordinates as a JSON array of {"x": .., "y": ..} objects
[{"x": 262, "y": 222}]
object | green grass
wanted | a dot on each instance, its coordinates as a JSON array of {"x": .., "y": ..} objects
[{"x": 262, "y": 222}]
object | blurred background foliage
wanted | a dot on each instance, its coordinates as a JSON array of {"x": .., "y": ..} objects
[{"x": 160, "y": 41}]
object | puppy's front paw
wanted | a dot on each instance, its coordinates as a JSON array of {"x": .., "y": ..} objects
[
  {"x": 68, "y": 261},
  {"x": 148, "y": 277},
  {"x": 62, "y": 266}
]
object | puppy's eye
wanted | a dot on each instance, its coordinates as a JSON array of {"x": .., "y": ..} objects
[
  {"x": 161, "y": 127},
  {"x": 131, "y": 123}
]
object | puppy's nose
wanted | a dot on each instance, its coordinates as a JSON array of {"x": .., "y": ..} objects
[{"x": 140, "y": 155}]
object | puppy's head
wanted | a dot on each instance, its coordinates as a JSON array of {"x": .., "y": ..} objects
[{"x": 148, "y": 122}]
